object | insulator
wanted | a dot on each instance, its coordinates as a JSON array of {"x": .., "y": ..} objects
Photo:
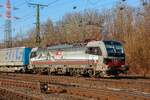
[
  {"x": 80, "y": 21},
  {"x": 144, "y": 3},
  {"x": 17, "y": 18},
  {"x": 1, "y": 5},
  {"x": 121, "y": 8},
  {"x": 89, "y": 22},
  {"x": 15, "y": 8},
  {"x": 74, "y": 7}
]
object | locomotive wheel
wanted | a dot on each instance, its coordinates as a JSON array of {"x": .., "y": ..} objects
[
  {"x": 52, "y": 73},
  {"x": 74, "y": 72},
  {"x": 90, "y": 73},
  {"x": 99, "y": 74},
  {"x": 36, "y": 71},
  {"x": 22, "y": 71}
]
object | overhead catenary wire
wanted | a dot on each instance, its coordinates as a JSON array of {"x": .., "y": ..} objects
[
  {"x": 93, "y": 3},
  {"x": 102, "y": 5},
  {"x": 18, "y": 2},
  {"x": 53, "y": 2},
  {"x": 16, "y": 6},
  {"x": 58, "y": 8},
  {"x": 25, "y": 18}
]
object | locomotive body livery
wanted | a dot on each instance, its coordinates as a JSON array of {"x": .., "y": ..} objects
[{"x": 96, "y": 58}]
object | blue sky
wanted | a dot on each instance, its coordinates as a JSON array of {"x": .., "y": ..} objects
[{"x": 54, "y": 11}]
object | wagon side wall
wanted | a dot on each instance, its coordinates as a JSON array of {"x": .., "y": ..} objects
[{"x": 14, "y": 56}]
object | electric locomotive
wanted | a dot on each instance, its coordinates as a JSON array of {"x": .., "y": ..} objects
[{"x": 96, "y": 58}]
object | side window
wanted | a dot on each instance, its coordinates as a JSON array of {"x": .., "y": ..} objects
[
  {"x": 94, "y": 51},
  {"x": 33, "y": 54}
]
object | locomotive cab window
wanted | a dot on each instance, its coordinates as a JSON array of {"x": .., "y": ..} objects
[
  {"x": 94, "y": 51},
  {"x": 114, "y": 49},
  {"x": 33, "y": 54}
]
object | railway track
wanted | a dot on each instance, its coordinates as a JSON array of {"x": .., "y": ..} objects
[
  {"x": 138, "y": 85},
  {"x": 104, "y": 94},
  {"x": 104, "y": 89},
  {"x": 10, "y": 94}
]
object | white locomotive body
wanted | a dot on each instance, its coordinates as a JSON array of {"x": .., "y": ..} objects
[{"x": 96, "y": 58}]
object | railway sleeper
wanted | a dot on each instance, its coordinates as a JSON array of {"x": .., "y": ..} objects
[
  {"x": 90, "y": 92},
  {"x": 21, "y": 84},
  {"x": 6, "y": 94}
]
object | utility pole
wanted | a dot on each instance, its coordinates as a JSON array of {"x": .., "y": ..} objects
[
  {"x": 38, "y": 6},
  {"x": 8, "y": 24},
  {"x": 8, "y": 29}
]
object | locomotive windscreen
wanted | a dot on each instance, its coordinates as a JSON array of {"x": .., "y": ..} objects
[{"x": 114, "y": 49}]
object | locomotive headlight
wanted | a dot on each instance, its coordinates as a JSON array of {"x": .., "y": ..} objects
[
  {"x": 106, "y": 61},
  {"x": 125, "y": 67}
]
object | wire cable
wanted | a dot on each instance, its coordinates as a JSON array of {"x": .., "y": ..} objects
[
  {"x": 53, "y": 2},
  {"x": 93, "y": 3},
  {"x": 20, "y": 4},
  {"x": 102, "y": 5},
  {"x": 56, "y": 10}
]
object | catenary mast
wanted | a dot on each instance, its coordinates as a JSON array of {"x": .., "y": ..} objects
[{"x": 8, "y": 28}]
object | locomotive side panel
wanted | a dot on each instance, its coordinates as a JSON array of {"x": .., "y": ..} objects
[{"x": 64, "y": 61}]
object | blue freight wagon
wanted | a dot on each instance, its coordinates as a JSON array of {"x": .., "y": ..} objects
[{"x": 14, "y": 59}]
